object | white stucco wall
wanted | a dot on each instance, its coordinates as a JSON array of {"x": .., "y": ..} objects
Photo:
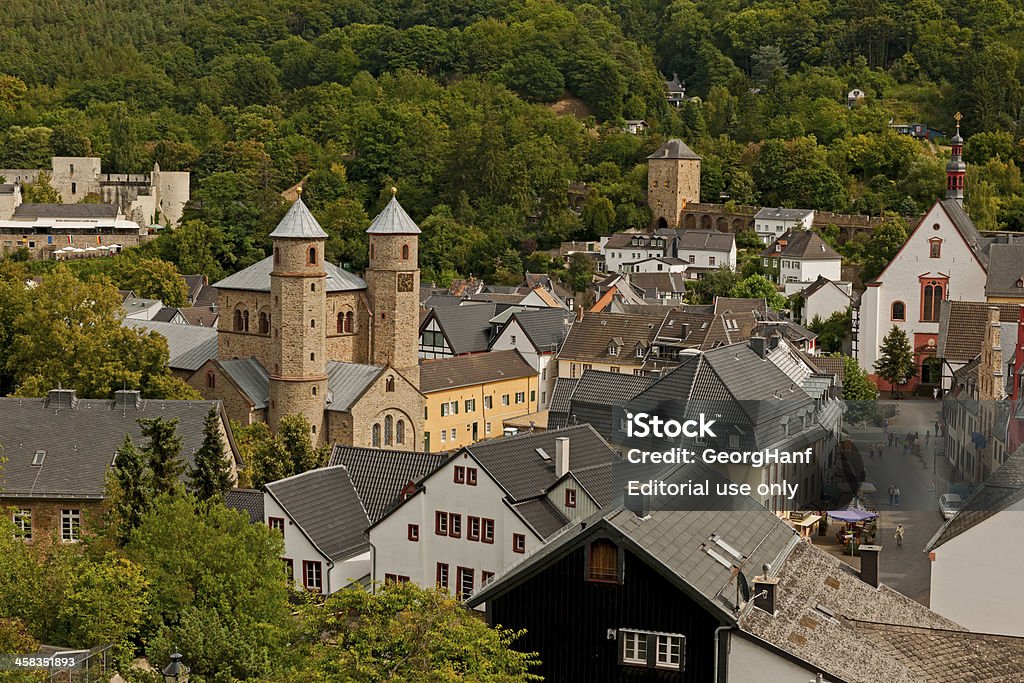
[
  {"x": 975, "y": 579},
  {"x": 615, "y": 257},
  {"x": 513, "y": 337},
  {"x": 749, "y": 662},
  {"x": 823, "y": 303}
]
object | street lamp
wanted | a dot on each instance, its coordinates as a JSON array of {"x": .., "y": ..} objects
[{"x": 176, "y": 672}]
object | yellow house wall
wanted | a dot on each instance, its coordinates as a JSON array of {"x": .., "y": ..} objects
[{"x": 463, "y": 422}]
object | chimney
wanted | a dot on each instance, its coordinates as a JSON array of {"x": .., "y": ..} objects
[
  {"x": 764, "y": 593},
  {"x": 759, "y": 345},
  {"x": 869, "y": 564},
  {"x": 61, "y": 398},
  {"x": 126, "y": 398},
  {"x": 561, "y": 456},
  {"x": 639, "y": 505}
]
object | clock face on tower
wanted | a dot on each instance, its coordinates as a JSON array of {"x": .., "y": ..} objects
[{"x": 405, "y": 282}]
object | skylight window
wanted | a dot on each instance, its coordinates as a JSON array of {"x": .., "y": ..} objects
[{"x": 37, "y": 459}]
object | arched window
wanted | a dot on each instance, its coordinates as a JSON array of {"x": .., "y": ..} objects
[
  {"x": 389, "y": 384},
  {"x": 245, "y": 320},
  {"x": 312, "y": 322},
  {"x": 211, "y": 380},
  {"x": 371, "y": 250},
  {"x": 405, "y": 252},
  {"x": 899, "y": 310},
  {"x": 935, "y": 248},
  {"x": 314, "y": 391},
  {"x": 387, "y": 430},
  {"x": 264, "y": 323},
  {"x": 400, "y": 432},
  {"x": 376, "y": 436},
  {"x": 348, "y": 322},
  {"x": 341, "y": 323},
  {"x": 237, "y": 321},
  {"x": 312, "y": 256},
  {"x": 277, "y": 256},
  {"x": 931, "y": 300},
  {"x": 312, "y": 286}
]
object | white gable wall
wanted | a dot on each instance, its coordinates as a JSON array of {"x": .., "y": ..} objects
[{"x": 514, "y": 337}]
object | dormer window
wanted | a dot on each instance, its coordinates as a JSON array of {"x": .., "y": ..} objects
[
  {"x": 639, "y": 352},
  {"x": 603, "y": 562},
  {"x": 1020, "y": 283},
  {"x": 613, "y": 350}
]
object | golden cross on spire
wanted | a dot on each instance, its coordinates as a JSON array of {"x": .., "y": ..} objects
[{"x": 958, "y": 116}]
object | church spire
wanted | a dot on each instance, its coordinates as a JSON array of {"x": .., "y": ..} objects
[{"x": 956, "y": 169}]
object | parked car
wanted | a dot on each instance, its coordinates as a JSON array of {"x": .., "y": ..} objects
[{"x": 949, "y": 504}]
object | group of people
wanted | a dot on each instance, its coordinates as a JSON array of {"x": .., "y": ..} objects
[{"x": 894, "y": 495}]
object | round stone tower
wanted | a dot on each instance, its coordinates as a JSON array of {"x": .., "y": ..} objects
[
  {"x": 393, "y": 284},
  {"x": 298, "y": 290}
]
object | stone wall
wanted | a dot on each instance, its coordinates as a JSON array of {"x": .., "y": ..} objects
[
  {"x": 738, "y": 217},
  {"x": 46, "y": 515},
  {"x": 43, "y": 245},
  {"x": 251, "y": 344},
  {"x": 405, "y": 402},
  {"x": 236, "y": 404},
  {"x": 672, "y": 184},
  {"x": 393, "y": 286}
]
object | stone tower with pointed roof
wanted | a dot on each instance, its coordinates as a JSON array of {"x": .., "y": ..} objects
[
  {"x": 393, "y": 284},
  {"x": 298, "y": 289},
  {"x": 673, "y": 181}
]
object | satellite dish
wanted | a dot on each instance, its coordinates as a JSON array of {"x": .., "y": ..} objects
[{"x": 744, "y": 587}]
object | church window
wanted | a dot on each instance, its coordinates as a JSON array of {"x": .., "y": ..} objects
[
  {"x": 935, "y": 248},
  {"x": 348, "y": 322},
  {"x": 371, "y": 250},
  {"x": 312, "y": 286},
  {"x": 376, "y": 436},
  {"x": 400, "y": 432},
  {"x": 314, "y": 429},
  {"x": 388, "y": 424},
  {"x": 245, "y": 321},
  {"x": 341, "y": 323},
  {"x": 405, "y": 252},
  {"x": 932, "y": 293},
  {"x": 899, "y": 310},
  {"x": 312, "y": 256},
  {"x": 389, "y": 385},
  {"x": 312, "y": 356},
  {"x": 211, "y": 380},
  {"x": 238, "y": 321},
  {"x": 314, "y": 391},
  {"x": 264, "y": 323},
  {"x": 74, "y": 188}
]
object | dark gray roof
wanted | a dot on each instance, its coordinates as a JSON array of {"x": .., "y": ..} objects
[
  {"x": 251, "y": 377},
  {"x": 380, "y": 475},
  {"x": 706, "y": 240},
  {"x": 66, "y": 211},
  {"x": 299, "y": 223},
  {"x": 781, "y": 214},
  {"x": 967, "y": 229},
  {"x": 249, "y": 501},
  {"x": 393, "y": 220},
  {"x": 256, "y": 278},
  {"x": 190, "y": 346},
  {"x": 475, "y": 368},
  {"x": 195, "y": 283},
  {"x": 596, "y": 395},
  {"x": 80, "y": 437},
  {"x": 1005, "y": 270},
  {"x": 165, "y": 314},
  {"x": 515, "y": 463},
  {"x": 207, "y": 296},
  {"x": 546, "y": 327},
  {"x": 467, "y": 328},
  {"x": 544, "y": 517},
  {"x": 674, "y": 149},
  {"x": 346, "y": 382},
  {"x": 324, "y": 504},
  {"x": 801, "y": 244},
  {"x": 561, "y": 396},
  {"x": 1001, "y": 490}
]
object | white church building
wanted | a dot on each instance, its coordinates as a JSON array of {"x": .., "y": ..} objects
[{"x": 945, "y": 257}]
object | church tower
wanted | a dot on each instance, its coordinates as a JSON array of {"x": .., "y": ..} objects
[
  {"x": 673, "y": 181},
  {"x": 298, "y": 289},
  {"x": 956, "y": 169},
  {"x": 393, "y": 284}
]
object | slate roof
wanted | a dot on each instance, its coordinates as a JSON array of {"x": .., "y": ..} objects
[
  {"x": 705, "y": 240},
  {"x": 562, "y": 394},
  {"x": 201, "y": 316},
  {"x": 190, "y": 346},
  {"x": 962, "y": 327},
  {"x": 589, "y": 338},
  {"x": 623, "y": 240},
  {"x": 393, "y": 220},
  {"x": 80, "y": 437},
  {"x": 674, "y": 149},
  {"x": 1005, "y": 269},
  {"x": 544, "y": 517},
  {"x": 207, "y": 296},
  {"x": 780, "y": 214},
  {"x": 299, "y": 223},
  {"x": 256, "y": 278},
  {"x": 515, "y": 463},
  {"x": 380, "y": 475},
  {"x": 249, "y": 501},
  {"x": 194, "y": 283},
  {"x": 728, "y": 303},
  {"x": 477, "y": 368},
  {"x": 546, "y": 328},
  {"x": 595, "y": 396},
  {"x": 336, "y": 529},
  {"x": 467, "y": 328},
  {"x": 66, "y": 211},
  {"x": 251, "y": 377},
  {"x": 346, "y": 382},
  {"x": 801, "y": 244},
  {"x": 829, "y": 365},
  {"x": 963, "y": 223},
  {"x": 655, "y": 283},
  {"x": 821, "y": 283},
  {"x": 1001, "y": 490},
  {"x": 165, "y": 314}
]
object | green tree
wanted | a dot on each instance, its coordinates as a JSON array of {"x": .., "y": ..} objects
[
  {"x": 40, "y": 192},
  {"x": 294, "y": 433},
  {"x": 581, "y": 272},
  {"x": 195, "y": 248},
  {"x": 759, "y": 287},
  {"x": 163, "y": 453},
  {"x": 534, "y": 77},
  {"x": 717, "y": 283},
  {"x": 598, "y": 215},
  {"x": 153, "y": 278},
  {"x": 886, "y": 241},
  {"x": 895, "y": 362},
  {"x": 859, "y": 394},
  {"x": 129, "y": 489},
  {"x": 210, "y": 476},
  {"x": 831, "y": 332},
  {"x": 403, "y": 632}
]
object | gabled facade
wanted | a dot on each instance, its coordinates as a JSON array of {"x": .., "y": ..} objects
[
  {"x": 771, "y": 223},
  {"x": 622, "y": 248},
  {"x": 537, "y": 336},
  {"x": 798, "y": 258},
  {"x": 705, "y": 248}
]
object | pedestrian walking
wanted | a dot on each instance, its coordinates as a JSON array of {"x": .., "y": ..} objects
[
  {"x": 899, "y": 534},
  {"x": 892, "y": 494},
  {"x": 935, "y": 393},
  {"x": 927, "y": 437},
  {"x": 880, "y": 447},
  {"x": 896, "y": 497}
]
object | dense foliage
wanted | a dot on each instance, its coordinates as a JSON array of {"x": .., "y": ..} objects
[{"x": 465, "y": 108}]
